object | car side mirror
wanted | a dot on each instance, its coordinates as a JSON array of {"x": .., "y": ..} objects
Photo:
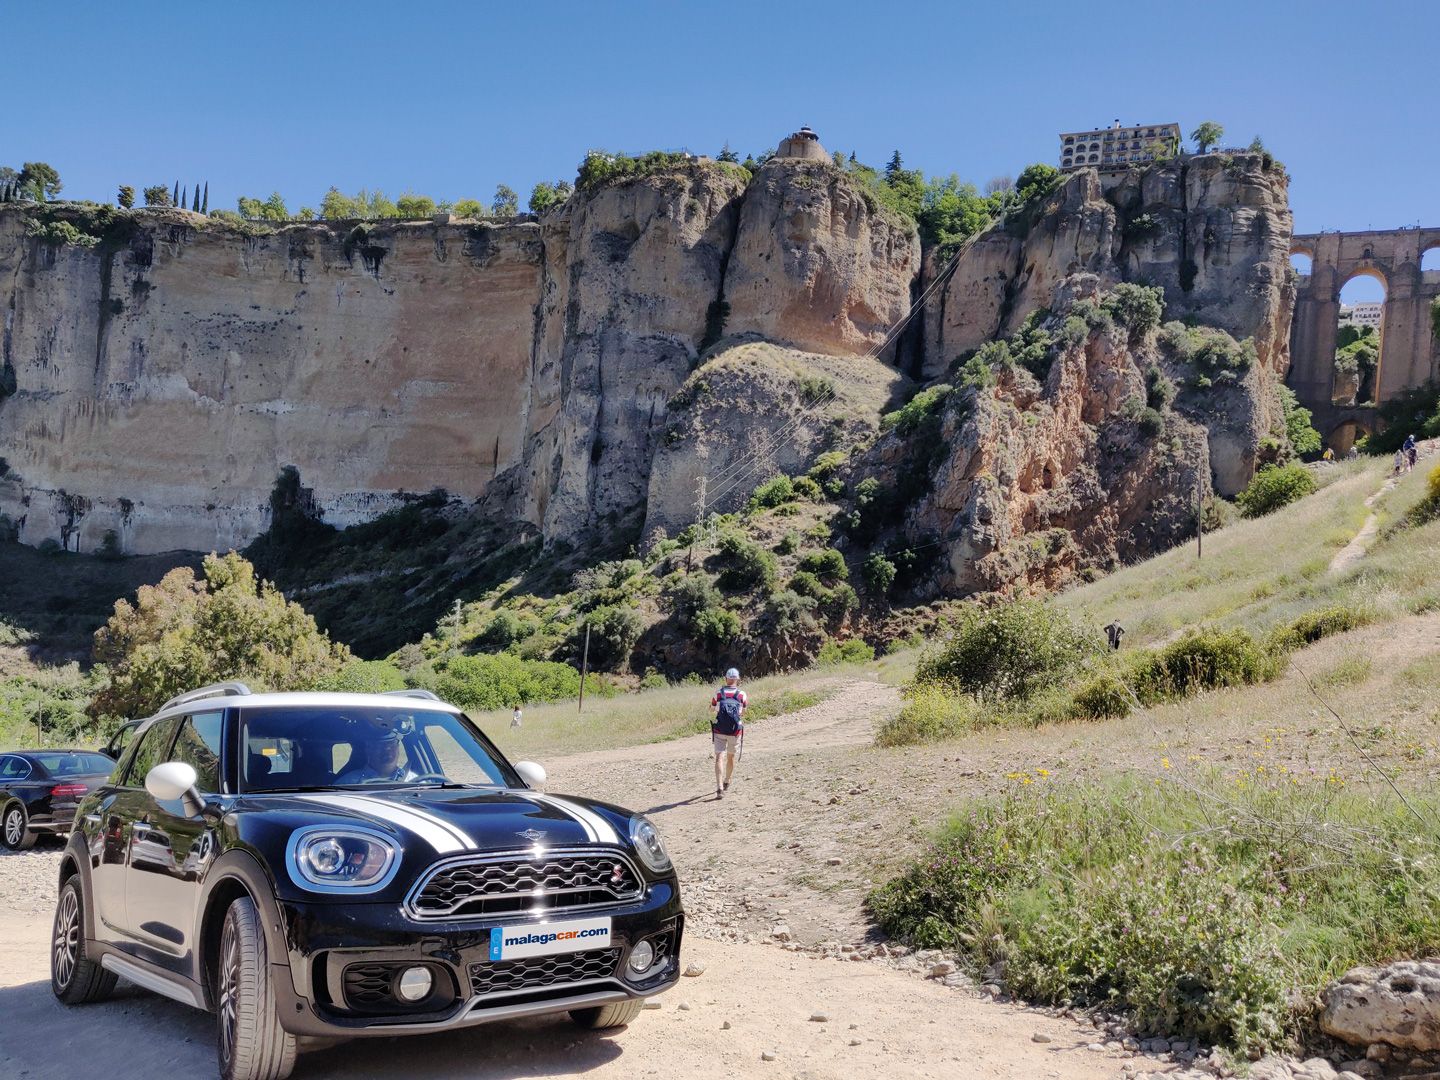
[
  {"x": 174, "y": 781},
  {"x": 532, "y": 774}
]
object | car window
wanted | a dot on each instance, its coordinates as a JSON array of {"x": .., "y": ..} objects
[
  {"x": 123, "y": 738},
  {"x": 153, "y": 750},
  {"x": 198, "y": 745},
  {"x": 289, "y": 748},
  {"x": 13, "y": 768},
  {"x": 75, "y": 764}
]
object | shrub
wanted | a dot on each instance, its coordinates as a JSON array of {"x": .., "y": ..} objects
[
  {"x": 504, "y": 630},
  {"x": 789, "y": 543},
  {"x": 653, "y": 680},
  {"x": 613, "y": 633},
  {"x": 1207, "y": 658},
  {"x": 806, "y": 488},
  {"x": 1274, "y": 486},
  {"x": 930, "y": 714},
  {"x": 842, "y": 598},
  {"x": 828, "y": 564},
  {"x": 364, "y": 677},
  {"x": 1299, "y": 426},
  {"x": 773, "y": 492},
  {"x": 716, "y": 626},
  {"x": 1138, "y": 307},
  {"x": 748, "y": 565},
  {"x": 500, "y": 680},
  {"x": 976, "y": 374},
  {"x": 814, "y": 390},
  {"x": 1008, "y": 651},
  {"x": 879, "y": 574},
  {"x": 807, "y": 584},
  {"x": 1102, "y": 696},
  {"x": 1310, "y": 627},
  {"x": 849, "y": 651},
  {"x": 826, "y": 465},
  {"x": 692, "y": 594},
  {"x": 923, "y": 406},
  {"x": 790, "y": 613}
]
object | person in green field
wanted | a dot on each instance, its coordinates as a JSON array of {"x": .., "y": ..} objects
[{"x": 727, "y": 730}]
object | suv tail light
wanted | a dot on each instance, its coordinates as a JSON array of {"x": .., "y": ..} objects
[{"x": 68, "y": 791}]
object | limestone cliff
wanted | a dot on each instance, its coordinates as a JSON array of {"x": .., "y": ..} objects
[
  {"x": 1213, "y": 231},
  {"x": 164, "y": 375}
]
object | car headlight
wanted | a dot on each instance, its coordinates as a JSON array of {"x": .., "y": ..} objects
[
  {"x": 646, "y": 840},
  {"x": 341, "y": 859}
]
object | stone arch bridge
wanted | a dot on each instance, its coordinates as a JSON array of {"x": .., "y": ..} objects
[{"x": 1410, "y": 350}]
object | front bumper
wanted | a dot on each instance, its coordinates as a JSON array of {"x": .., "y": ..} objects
[{"x": 327, "y": 940}]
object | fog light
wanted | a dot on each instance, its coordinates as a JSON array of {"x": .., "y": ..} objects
[
  {"x": 414, "y": 984},
  {"x": 641, "y": 957}
]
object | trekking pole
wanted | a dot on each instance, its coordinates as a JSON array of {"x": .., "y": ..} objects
[{"x": 584, "y": 666}]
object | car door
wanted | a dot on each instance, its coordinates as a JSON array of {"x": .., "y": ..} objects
[
  {"x": 123, "y": 819},
  {"x": 14, "y": 772},
  {"x": 168, "y": 858}
]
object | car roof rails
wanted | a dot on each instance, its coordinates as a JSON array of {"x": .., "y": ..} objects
[
  {"x": 426, "y": 694},
  {"x": 219, "y": 689}
]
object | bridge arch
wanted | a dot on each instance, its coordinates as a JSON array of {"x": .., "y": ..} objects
[
  {"x": 1359, "y": 316},
  {"x": 1345, "y": 434},
  {"x": 1430, "y": 258}
]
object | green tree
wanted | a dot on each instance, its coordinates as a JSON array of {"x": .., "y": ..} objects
[
  {"x": 506, "y": 202},
  {"x": 1207, "y": 135},
  {"x": 415, "y": 207},
  {"x": 196, "y": 207},
  {"x": 1299, "y": 426},
  {"x": 175, "y": 194},
  {"x": 726, "y": 154},
  {"x": 1257, "y": 146},
  {"x": 157, "y": 195},
  {"x": 250, "y": 208},
  {"x": 126, "y": 196},
  {"x": 336, "y": 206},
  {"x": 205, "y": 202},
  {"x": 274, "y": 208},
  {"x": 469, "y": 208},
  {"x": 306, "y": 213},
  {"x": 544, "y": 197},
  {"x": 184, "y": 198},
  {"x": 188, "y": 631},
  {"x": 39, "y": 180},
  {"x": 893, "y": 168}
]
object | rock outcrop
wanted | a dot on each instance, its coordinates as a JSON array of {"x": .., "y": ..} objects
[
  {"x": 1398, "y": 1005},
  {"x": 155, "y": 383}
]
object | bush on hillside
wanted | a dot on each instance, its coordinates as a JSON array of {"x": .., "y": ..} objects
[
  {"x": 716, "y": 627},
  {"x": 789, "y": 614},
  {"x": 692, "y": 594},
  {"x": 746, "y": 564},
  {"x": 1314, "y": 625},
  {"x": 1410, "y": 412},
  {"x": 613, "y": 634},
  {"x": 1007, "y": 652},
  {"x": 500, "y": 681},
  {"x": 776, "y": 491},
  {"x": 828, "y": 564},
  {"x": 1102, "y": 696},
  {"x": 879, "y": 574},
  {"x": 909, "y": 418},
  {"x": 930, "y": 714},
  {"x": 1273, "y": 487},
  {"x": 1138, "y": 307},
  {"x": 1207, "y": 658},
  {"x": 849, "y": 651},
  {"x": 364, "y": 677}
]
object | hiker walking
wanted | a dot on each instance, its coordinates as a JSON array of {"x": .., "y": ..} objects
[
  {"x": 1411, "y": 452},
  {"x": 727, "y": 730},
  {"x": 515, "y": 717},
  {"x": 1113, "y": 633}
]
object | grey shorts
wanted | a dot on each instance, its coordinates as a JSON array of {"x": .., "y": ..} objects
[{"x": 724, "y": 744}]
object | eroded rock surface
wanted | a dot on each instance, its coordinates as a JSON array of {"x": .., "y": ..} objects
[{"x": 1398, "y": 1004}]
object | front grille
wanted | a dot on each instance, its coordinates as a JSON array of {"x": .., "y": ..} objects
[
  {"x": 535, "y": 972},
  {"x": 525, "y": 884},
  {"x": 367, "y": 986}
]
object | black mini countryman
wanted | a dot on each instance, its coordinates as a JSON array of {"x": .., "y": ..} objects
[{"x": 354, "y": 864}]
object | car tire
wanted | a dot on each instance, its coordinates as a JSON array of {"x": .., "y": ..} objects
[
  {"x": 607, "y": 1016},
  {"x": 250, "y": 1042},
  {"x": 74, "y": 978},
  {"x": 13, "y": 832}
]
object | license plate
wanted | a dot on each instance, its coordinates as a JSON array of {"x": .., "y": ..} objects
[{"x": 547, "y": 939}]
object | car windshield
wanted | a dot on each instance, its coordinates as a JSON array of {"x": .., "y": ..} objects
[
  {"x": 296, "y": 749},
  {"x": 75, "y": 764}
]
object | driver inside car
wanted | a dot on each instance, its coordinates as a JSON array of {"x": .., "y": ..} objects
[{"x": 382, "y": 762}]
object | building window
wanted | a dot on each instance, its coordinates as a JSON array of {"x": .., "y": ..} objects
[
  {"x": 1069, "y": 139},
  {"x": 1094, "y": 158}
]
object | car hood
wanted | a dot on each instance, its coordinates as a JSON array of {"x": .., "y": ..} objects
[{"x": 455, "y": 821}]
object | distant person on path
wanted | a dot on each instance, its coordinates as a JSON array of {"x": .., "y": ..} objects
[
  {"x": 1411, "y": 452},
  {"x": 515, "y": 717},
  {"x": 727, "y": 730},
  {"x": 1329, "y": 455},
  {"x": 1401, "y": 461},
  {"x": 1113, "y": 633}
]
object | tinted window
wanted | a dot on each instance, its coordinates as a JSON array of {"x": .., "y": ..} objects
[
  {"x": 123, "y": 738},
  {"x": 198, "y": 745},
  {"x": 153, "y": 750},
  {"x": 75, "y": 764},
  {"x": 14, "y": 768}
]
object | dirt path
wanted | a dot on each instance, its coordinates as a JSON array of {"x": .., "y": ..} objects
[
  {"x": 880, "y": 1023},
  {"x": 1355, "y": 550}
]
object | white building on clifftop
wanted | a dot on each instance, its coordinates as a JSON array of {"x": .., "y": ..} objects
[{"x": 1117, "y": 148}]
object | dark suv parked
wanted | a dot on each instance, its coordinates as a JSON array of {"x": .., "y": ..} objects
[{"x": 354, "y": 864}]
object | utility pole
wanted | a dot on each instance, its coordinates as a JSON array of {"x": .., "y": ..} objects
[
  {"x": 1199, "y": 521},
  {"x": 699, "y": 515},
  {"x": 584, "y": 666}
]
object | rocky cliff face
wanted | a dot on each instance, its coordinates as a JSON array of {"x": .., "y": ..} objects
[
  {"x": 164, "y": 376},
  {"x": 1213, "y": 231}
]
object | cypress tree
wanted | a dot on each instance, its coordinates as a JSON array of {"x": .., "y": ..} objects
[
  {"x": 175, "y": 195},
  {"x": 184, "y": 198},
  {"x": 196, "y": 207},
  {"x": 205, "y": 206}
]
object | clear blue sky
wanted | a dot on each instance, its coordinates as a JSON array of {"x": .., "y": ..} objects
[{"x": 449, "y": 99}]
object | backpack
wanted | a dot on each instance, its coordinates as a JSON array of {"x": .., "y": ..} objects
[{"x": 727, "y": 715}]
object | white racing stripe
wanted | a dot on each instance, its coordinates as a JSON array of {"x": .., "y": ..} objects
[
  {"x": 439, "y": 834},
  {"x": 596, "y": 827}
]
